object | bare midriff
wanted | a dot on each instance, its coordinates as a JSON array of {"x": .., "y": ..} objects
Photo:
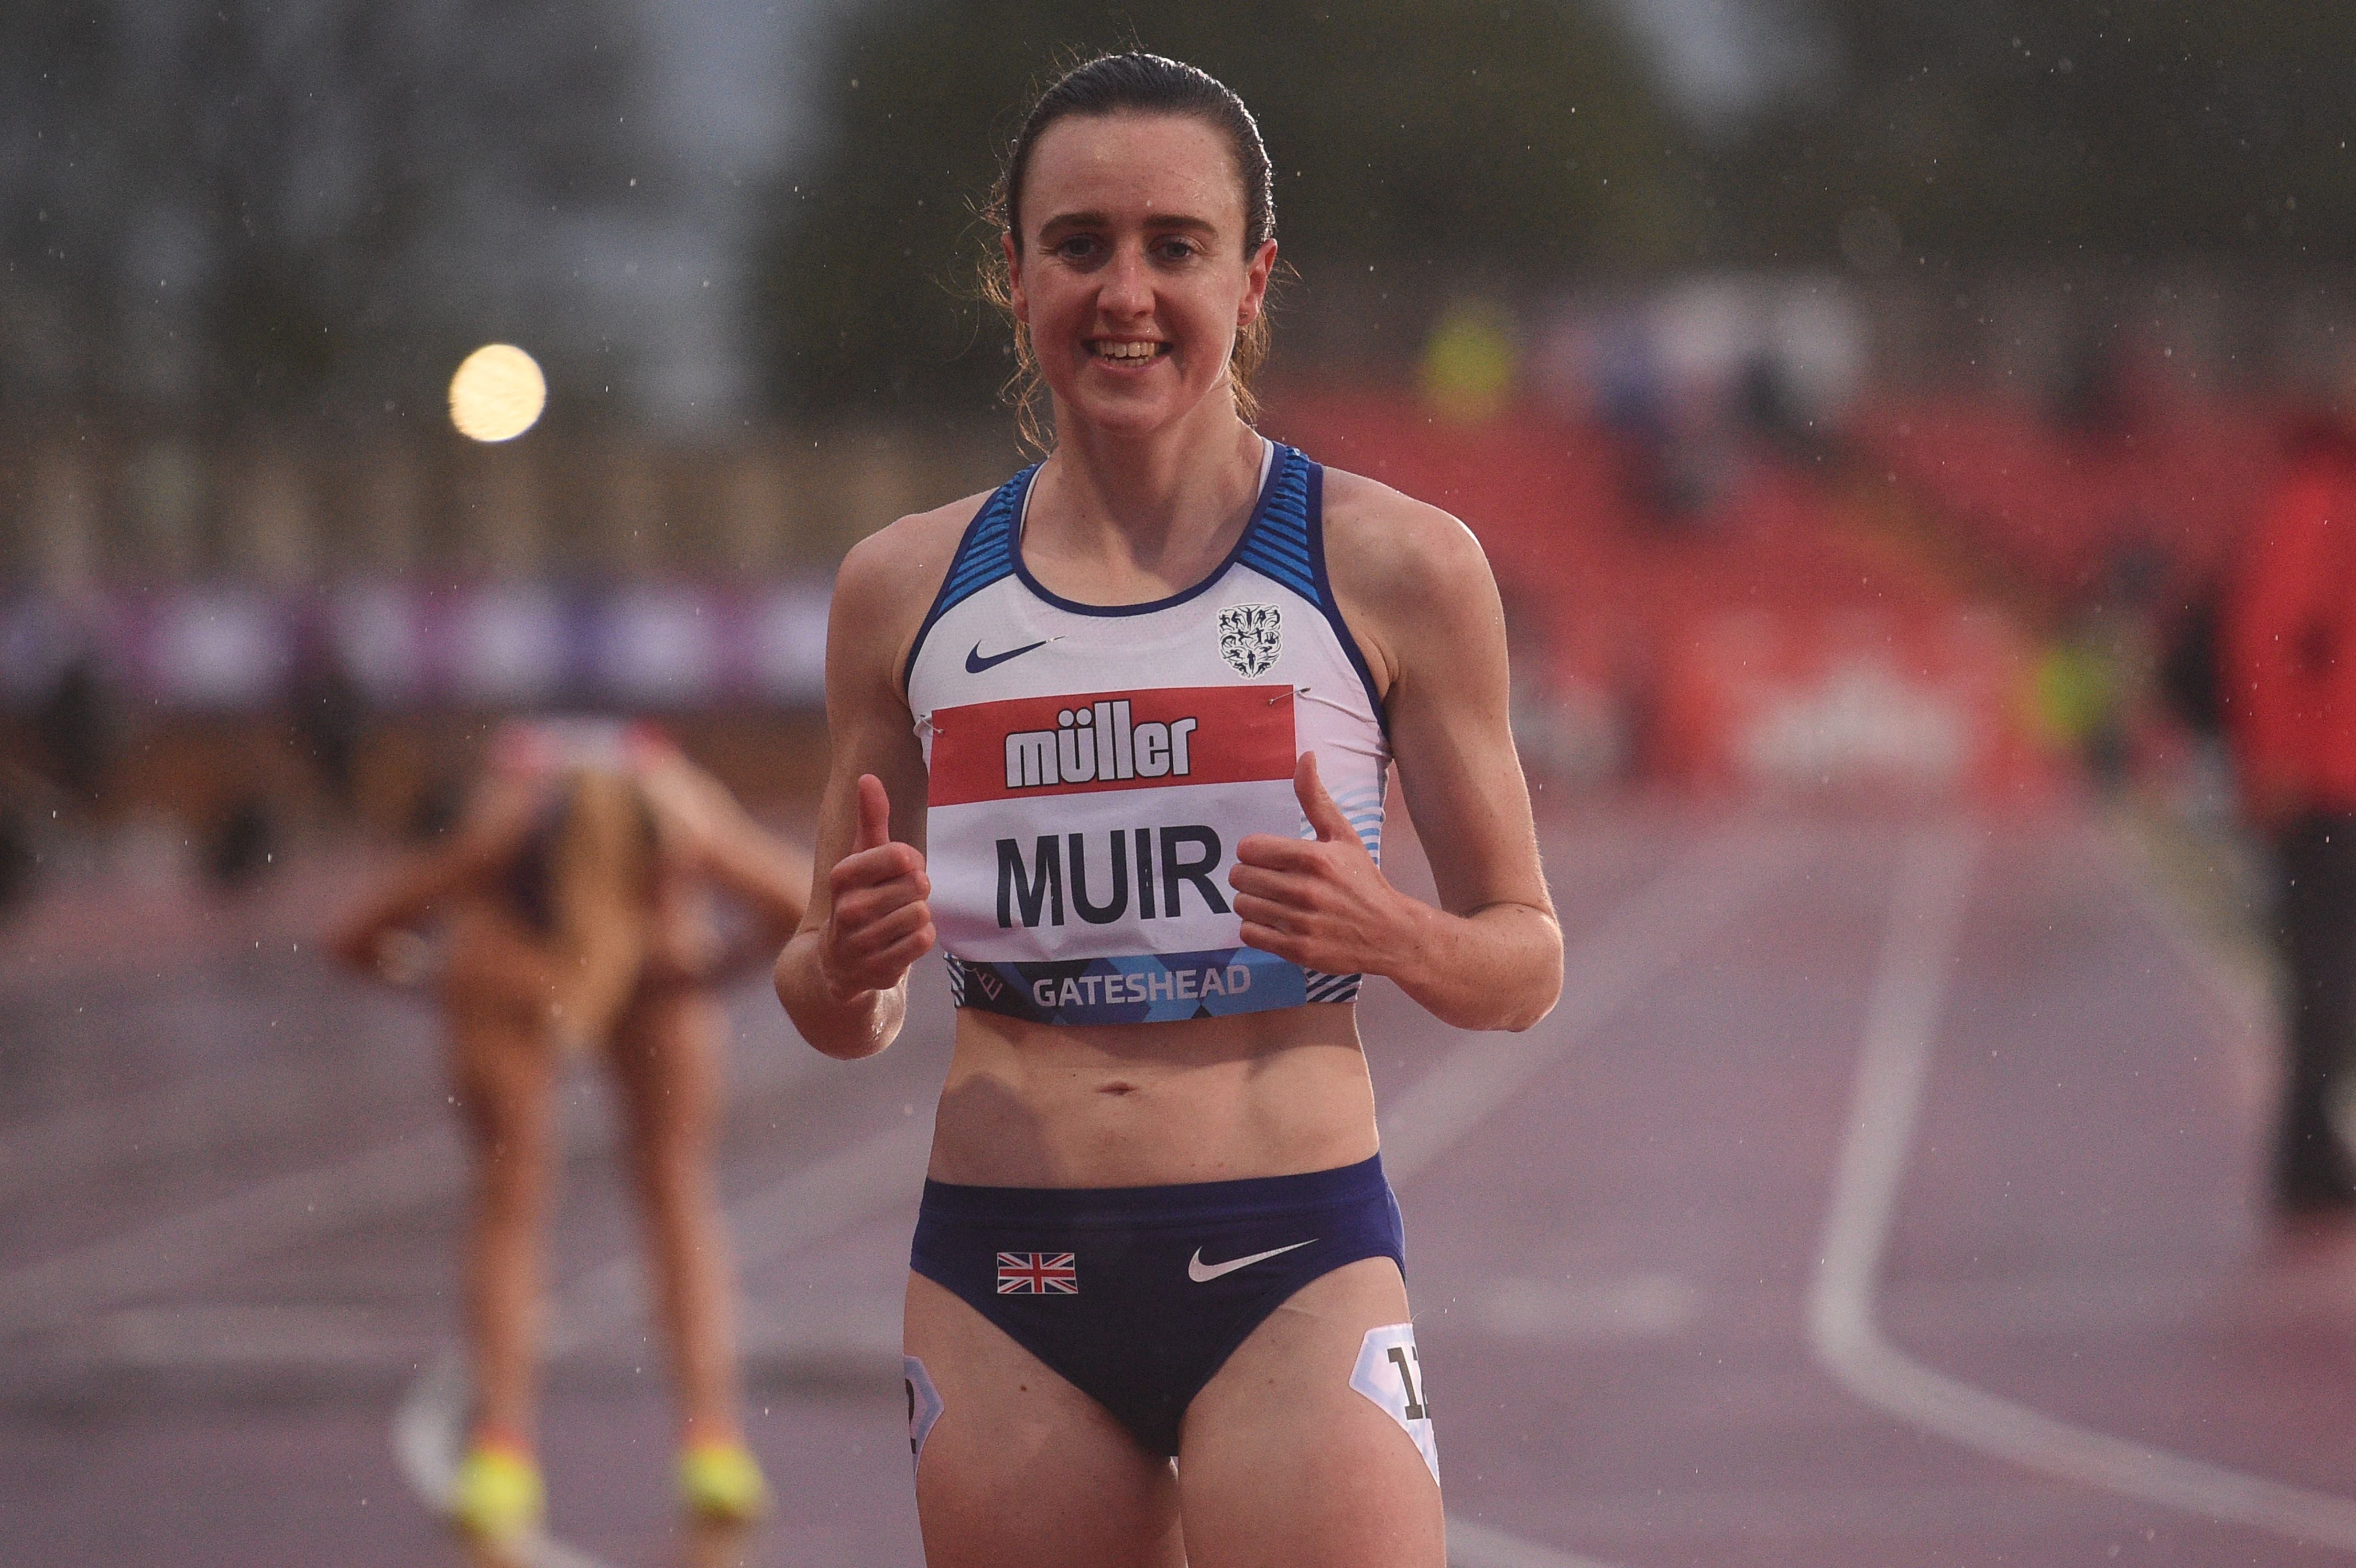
[{"x": 1272, "y": 1094}]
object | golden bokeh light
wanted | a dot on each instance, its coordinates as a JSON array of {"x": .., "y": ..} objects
[{"x": 497, "y": 393}]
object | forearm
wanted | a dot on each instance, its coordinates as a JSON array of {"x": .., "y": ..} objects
[
  {"x": 843, "y": 1028},
  {"x": 404, "y": 901},
  {"x": 1496, "y": 968},
  {"x": 771, "y": 880}
]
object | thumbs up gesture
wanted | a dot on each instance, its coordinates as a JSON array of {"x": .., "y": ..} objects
[
  {"x": 878, "y": 924},
  {"x": 1322, "y": 904}
]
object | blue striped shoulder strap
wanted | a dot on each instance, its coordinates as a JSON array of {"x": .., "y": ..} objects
[
  {"x": 984, "y": 554},
  {"x": 1286, "y": 543},
  {"x": 1283, "y": 541}
]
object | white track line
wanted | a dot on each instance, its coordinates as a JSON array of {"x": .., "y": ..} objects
[
  {"x": 1642, "y": 941},
  {"x": 1926, "y": 911}
]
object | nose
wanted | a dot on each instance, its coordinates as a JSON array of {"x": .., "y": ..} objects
[{"x": 1128, "y": 285}]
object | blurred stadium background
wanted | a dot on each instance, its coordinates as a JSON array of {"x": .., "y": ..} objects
[
  {"x": 1852, "y": 395},
  {"x": 1864, "y": 403}
]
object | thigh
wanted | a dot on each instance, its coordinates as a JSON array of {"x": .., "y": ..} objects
[
  {"x": 502, "y": 1074},
  {"x": 1283, "y": 1461},
  {"x": 664, "y": 1055},
  {"x": 1022, "y": 1469}
]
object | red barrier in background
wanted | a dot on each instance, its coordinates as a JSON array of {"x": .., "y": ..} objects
[
  {"x": 2060, "y": 506},
  {"x": 1773, "y": 644},
  {"x": 1925, "y": 704}
]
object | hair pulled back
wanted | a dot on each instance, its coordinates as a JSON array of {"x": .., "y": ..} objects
[
  {"x": 1139, "y": 83},
  {"x": 583, "y": 879}
]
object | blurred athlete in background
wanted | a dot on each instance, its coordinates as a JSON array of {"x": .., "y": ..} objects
[
  {"x": 1117, "y": 733},
  {"x": 2290, "y": 693},
  {"x": 572, "y": 915}
]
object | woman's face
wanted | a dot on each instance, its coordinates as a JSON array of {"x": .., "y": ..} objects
[{"x": 1131, "y": 276}]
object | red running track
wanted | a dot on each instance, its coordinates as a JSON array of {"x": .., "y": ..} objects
[{"x": 1882, "y": 1195}]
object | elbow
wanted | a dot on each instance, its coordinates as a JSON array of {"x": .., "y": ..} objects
[
  {"x": 1531, "y": 1003},
  {"x": 1510, "y": 1011},
  {"x": 1525, "y": 1011},
  {"x": 1530, "y": 1017},
  {"x": 840, "y": 1040},
  {"x": 855, "y": 1050},
  {"x": 842, "y": 1033}
]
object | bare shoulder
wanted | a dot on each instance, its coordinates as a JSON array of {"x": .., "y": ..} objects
[
  {"x": 906, "y": 561},
  {"x": 1382, "y": 547},
  {"x": 1410, "y": 579},
  {"x": 888, "y": 580}
]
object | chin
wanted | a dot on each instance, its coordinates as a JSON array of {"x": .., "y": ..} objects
[{"x": 1131, "y": 411}]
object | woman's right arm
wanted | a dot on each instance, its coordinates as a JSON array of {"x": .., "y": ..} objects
[
  {"x": 496, "y": 819},
  {"x": 843, "y": 978}
]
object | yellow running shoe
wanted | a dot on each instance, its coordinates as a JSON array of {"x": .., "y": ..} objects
[
  {"x": 720, "y": 1482},
  {"x": 498, "y": 1498}
]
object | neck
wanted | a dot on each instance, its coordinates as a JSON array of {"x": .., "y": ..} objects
[{"x": 1151, "y": 502}]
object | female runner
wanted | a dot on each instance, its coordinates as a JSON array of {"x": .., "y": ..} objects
[
  {"x": 1116, "y": 734},
  {"x": 571, "y": 901}
]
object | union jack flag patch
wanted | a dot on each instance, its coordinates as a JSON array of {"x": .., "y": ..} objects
[{"x": 1037, "y": 1274}]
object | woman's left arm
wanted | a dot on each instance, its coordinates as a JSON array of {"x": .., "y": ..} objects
[{"x": 1416, "y": 591}]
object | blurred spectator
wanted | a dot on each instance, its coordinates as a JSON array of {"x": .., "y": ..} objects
[
  {"x": 2290, "y": 657},
  {"x": 1770, "y": 404},
  {"x": 330, "y": 716},
  {"x": 2096, "y": 688},
  {"x": 78, "y": 726},
  {"x": 19, "y": 860},
  {"x": 243, "y": 844},
  {"x": 1470, "y": 363},
  {"x": 2077, "y": 694},
  {"x": 2188, "y": 675}
]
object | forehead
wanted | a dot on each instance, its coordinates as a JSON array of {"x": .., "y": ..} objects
[{"x": 1169, "y": 165}]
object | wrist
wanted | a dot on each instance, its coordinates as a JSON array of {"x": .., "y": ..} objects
[
  {"x": 831, "y": 986},
  {"x": 1410, "y": 951}
]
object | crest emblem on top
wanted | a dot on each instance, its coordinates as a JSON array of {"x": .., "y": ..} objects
[{"x": 1250, "y": 637}]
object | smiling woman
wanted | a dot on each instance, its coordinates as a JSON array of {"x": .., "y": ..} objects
[
  {"x": 1116, "y": 736},
  {"x": 1202, "y": 106}
]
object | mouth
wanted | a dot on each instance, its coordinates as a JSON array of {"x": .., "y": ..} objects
[{"x": 1126, "y": 351}]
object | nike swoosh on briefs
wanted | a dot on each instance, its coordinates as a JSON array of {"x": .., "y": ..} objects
[
  {"x": 975, "y": 663},
  {"x": 1201, "y": 1273}
]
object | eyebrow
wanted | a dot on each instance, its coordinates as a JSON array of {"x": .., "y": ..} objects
[{"x": 1103, "y": 220}]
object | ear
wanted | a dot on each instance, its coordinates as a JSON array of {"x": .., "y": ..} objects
[
  {"x": 1016, "y": 299},
  {"x": 1256, "y": 272}
]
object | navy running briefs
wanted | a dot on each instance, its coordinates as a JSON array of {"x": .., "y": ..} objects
[{"x": 1137, "y": 1296}]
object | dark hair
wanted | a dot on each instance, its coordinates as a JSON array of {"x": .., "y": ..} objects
[{"x": 1140, "y": 83}]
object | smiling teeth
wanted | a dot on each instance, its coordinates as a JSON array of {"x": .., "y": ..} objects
[{"x": 1127, "y": 350}]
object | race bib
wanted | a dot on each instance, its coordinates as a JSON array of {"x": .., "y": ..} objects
[{"x": 1079, "y": 847}]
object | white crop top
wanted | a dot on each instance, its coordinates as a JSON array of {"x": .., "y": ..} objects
[{"x": 1093, "y": 766}]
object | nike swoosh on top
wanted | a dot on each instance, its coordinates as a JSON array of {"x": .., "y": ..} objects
[
  {"x": 975, "y": 663},
  {"x": 1201, "y": 1273}
]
